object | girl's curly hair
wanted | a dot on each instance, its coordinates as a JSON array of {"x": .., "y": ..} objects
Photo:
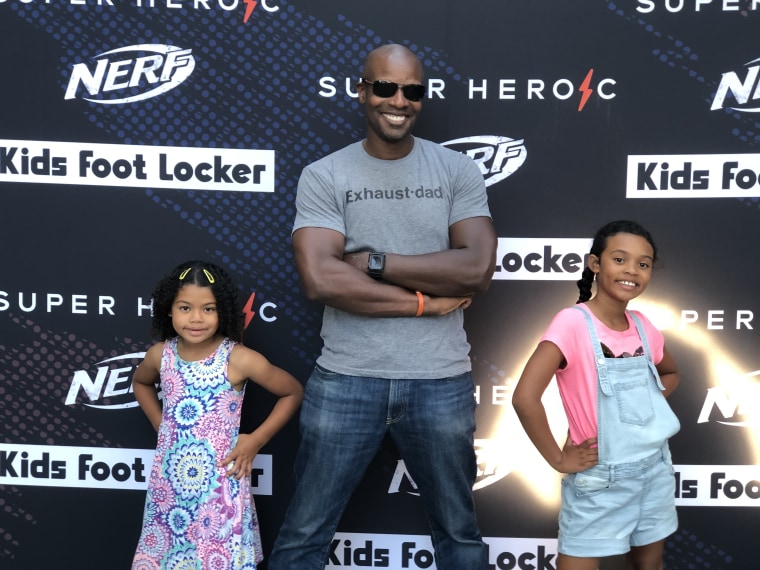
[{"x": 202, "y": 274}]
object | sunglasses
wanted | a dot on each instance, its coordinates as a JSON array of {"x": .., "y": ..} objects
[
  {"x": 607, "y": 353},
  {"x": 386, "y": 89}
]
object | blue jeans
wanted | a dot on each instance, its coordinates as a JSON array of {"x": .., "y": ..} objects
[{"x": 343, "y": 421}]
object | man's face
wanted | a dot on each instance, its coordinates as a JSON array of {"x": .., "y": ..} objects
[{"x": 391, "y": 119}]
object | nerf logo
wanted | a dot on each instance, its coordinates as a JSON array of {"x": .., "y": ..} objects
[
  {"x": 497, "y": 157},
  {"x": 491, "y": 462},
  {"x": 734, "y": 404},
  {"x": 110, "y": 387},
  {"x": 744, "y": 91},
  {"x": 130, "y": 74}
]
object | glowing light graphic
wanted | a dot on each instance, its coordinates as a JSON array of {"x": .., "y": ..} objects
[{"x": 722, "y": 371}]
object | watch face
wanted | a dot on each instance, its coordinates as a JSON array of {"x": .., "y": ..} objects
[{"x": 376, "y": 263}]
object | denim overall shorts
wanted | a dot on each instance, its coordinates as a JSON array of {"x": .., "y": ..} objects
[{"x": 628, "y": 498}]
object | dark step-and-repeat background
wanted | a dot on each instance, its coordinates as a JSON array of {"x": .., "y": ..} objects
[{"x": 135, "y": 134}]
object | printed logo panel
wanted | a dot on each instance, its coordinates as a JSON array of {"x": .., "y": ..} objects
[
  {"x": 718, "y": 485},
  {"x": 360, "y": 550},
  {"x": 121, "y": 76},
  {"x": 96, "y": 467},
  {"x": 497, "y": 157},
  {"x": 541, "y": 259},
  {"x": 693, "y": 176},
  {"x": 135, "y": 166}
]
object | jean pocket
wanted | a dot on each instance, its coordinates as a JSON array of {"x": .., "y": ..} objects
[
  {"x": 634, "y": 401},
  {"x": 586, "y": 484},
  {"x": 325, "y": 374}
]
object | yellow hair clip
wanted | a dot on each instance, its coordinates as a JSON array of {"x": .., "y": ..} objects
[
  {"x": 184, "y": 273},
  {"x": 209, "y": 276}
]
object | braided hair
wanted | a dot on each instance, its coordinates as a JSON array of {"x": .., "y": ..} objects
[
  {"x": 599, "y": 245},
  {"x": 202, "y": 274}
]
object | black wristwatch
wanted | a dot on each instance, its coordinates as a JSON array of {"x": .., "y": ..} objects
[{"x": 376, "y": 264}]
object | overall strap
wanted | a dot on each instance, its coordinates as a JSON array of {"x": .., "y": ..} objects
[
  {"x": 647, "y": 351},
  {"x": 599, "y": 360}
]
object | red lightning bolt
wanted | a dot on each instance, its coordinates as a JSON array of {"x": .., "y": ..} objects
[
  {"x": 249, "y": 6},
  {"x": 584, "y": 89},
  {"x": 248, "y": 310}
]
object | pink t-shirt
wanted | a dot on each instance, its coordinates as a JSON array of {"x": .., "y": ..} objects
[{"x": 577, "y": 382}]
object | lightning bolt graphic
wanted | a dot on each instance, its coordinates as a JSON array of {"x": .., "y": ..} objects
[
  {"x": 248, "y": 308},
  {"x": 249, "y": 6},
  {"x": 584, "y": 89}
]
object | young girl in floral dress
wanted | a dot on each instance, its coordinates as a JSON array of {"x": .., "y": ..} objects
[{"x": 198, "y": 509}]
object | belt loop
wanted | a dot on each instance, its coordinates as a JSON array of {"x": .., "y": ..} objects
[
  {"x": 612, "y": 474},
  {"x": 666, "y": 455}
]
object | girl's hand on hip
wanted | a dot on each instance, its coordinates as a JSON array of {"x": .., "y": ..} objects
[{"x": 580, "y": 457}]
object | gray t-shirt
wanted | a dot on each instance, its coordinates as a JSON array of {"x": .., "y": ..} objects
[{"x": 401, "y": 206}]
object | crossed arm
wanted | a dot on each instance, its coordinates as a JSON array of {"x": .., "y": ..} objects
[{"x": 447, "y": 278}]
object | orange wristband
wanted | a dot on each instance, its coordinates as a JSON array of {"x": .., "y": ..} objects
[{"x": 420, "y": 304}]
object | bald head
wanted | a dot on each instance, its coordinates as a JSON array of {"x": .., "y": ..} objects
[{"x": 390, "y": 56}]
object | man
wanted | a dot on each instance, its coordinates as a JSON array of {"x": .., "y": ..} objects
[{"x": 393, "y": 234}]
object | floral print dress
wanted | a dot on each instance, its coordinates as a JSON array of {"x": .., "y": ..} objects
[{"x": 196, "y": 517}]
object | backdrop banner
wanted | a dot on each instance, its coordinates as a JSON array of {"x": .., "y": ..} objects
[{"x": 135, "y": 134}]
